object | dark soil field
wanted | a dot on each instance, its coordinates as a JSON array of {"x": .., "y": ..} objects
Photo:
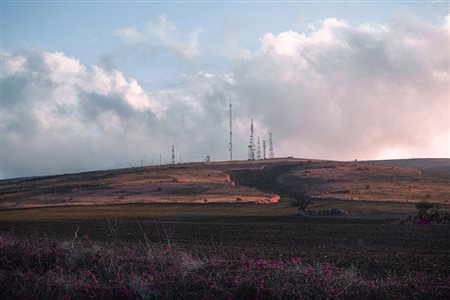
[
  {"x": 371, "y": 240},
  {"x": 378, "y": 247}
]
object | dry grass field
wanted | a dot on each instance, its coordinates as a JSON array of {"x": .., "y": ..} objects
[
  {"x": 184, "y": 183},
  {"x": 211, "y": 183},
  {"x": 370, "y": 181}
]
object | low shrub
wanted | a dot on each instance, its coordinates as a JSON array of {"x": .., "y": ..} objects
[
  {"x": 302, "y": 201},
  {"x": 86, "y": 269}
]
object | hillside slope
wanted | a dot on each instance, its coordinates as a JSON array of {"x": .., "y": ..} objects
[
  {"x": 395, "y": 181},
  {"x": 257, "y": 182},
  {"x": 185, "y": 183}
]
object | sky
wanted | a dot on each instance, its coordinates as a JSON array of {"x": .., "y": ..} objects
[{"x": 91, "y": 85}]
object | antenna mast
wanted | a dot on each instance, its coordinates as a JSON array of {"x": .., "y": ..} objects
[
  {"x": 258, "y": 149},
  {"x": 271, "y": 154},
  {"x": 264, "y": 148},
  {"x": 231, "y": 135},
  {"x": 251, "y": 144},
  {"x": 173, "y": 154}
]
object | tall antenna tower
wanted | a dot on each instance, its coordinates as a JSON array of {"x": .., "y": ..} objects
[
  {"x": 258, "y": 149},
  {"x": 251, "y": 144},
  {"x": 264, "y": 149},
  {"x": 231, "y": 136},
  {"x": 271, "y": 154},
  {"x": 173, "y": 154}
]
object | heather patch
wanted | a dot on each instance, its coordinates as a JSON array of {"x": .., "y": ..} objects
[{"x": 48, "y": 269}]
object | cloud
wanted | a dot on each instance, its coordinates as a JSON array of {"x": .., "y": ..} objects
[
  {"x": 59, "y": 114},
  {"x": 343, "y": 91},
  {"x": 130, "y": 36},
  {"x": 160, "y": 36},
  {"x": 12, "y": 64},
  {"x": 62, "y": 116},
  {"x": 336, "y": 92}
]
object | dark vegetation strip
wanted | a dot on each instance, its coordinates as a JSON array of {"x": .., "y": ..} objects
[
  {"x": 265, "y": 179},
  {"x": 82, "y": 268}
]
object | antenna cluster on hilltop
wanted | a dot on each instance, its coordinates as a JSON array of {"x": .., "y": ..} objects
[
  {"x": 256, "y": 154},
  {"x": 254, "y": 151}
]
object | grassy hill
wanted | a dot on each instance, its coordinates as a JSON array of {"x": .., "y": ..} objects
[{"x": 205, "y": 183}]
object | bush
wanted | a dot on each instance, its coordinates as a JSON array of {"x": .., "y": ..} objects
[
  {"x": 45, "y": 269},
  {"x": 302, "y": 202},
  {"x": 426, "y": 215}
]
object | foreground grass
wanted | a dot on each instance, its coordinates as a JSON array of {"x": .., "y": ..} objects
[{"x": 82, "y": 268}]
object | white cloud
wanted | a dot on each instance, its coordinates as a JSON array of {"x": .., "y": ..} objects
[
  {"x": 130, "y": 36},
  {"x": 343, "y": 91},
  {"x": 60, "y": 64},
  {"x": 54, "y": 103},
  {"x": 161, "y": 33},
  {"x": 60, "y": 115},
  {"x": 336, "y": 92}
]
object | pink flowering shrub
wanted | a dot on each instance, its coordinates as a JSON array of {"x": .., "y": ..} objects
[{"x": 45, "y": 269}]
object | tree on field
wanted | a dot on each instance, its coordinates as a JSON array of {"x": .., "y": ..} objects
[{"x": 302, "y": 201}]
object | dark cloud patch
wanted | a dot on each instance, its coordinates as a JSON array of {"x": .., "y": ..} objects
[
  {"x": 107, "y": 62},
  {"x": 93, "y": 104},
  {"x": 14, "y": 92}
]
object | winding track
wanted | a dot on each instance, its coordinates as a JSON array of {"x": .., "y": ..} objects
[{"x": 266, "y": 179}]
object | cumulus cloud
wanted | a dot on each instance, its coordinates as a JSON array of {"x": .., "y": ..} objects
[
  {"x": 161, "y": 35},
  {"x": 62, "y": 116},
  {"x": 342, "y": 91},
  {"x": 337, "y": 92}
]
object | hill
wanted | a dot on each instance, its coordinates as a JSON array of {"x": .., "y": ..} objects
[
  {"x": 138, "y": 219},
  {"x": 392, "y": 181},
  {"x": 258, "y": 182}
]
